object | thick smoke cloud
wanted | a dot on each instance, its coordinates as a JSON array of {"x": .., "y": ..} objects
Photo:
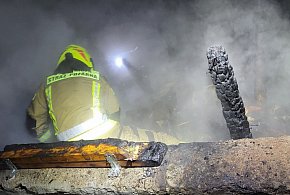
[{"x": 165, "y": 42}]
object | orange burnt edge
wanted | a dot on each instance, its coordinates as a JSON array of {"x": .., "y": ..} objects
[{"x": 89, "y": 153}]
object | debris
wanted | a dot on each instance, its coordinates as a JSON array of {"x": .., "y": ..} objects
[
  {"x": 115, "y": 167},
  {"x": 12, "y": 167}
]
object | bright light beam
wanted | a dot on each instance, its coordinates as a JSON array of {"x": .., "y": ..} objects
[{"x": 119, "y": 61}]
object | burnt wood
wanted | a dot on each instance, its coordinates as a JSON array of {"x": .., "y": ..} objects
[{"x": 83, "y": 154}]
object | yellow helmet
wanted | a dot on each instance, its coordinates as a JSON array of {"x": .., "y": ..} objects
[{"x": 78, "y": 53}]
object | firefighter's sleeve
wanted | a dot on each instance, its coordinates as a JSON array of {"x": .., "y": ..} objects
[{"x": 38, "y": 110}]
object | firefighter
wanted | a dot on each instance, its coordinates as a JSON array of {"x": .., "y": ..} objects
[{"x": 79, "y": 103}]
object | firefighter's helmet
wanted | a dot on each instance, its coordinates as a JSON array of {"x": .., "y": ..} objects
[{"x": 78, "y": 53}]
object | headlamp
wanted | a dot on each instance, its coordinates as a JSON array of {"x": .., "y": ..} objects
[{"x": 119, "y": 61}]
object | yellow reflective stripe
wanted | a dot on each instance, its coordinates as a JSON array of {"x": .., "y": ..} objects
[
  {"x": 58, "y": 77},
  {"x": 93, "y": 93},
  {"x": 45, "y": 136},
  {"x": 99, "y": 122},
  {"x": 50, "y": 109},
  {"x": 102, "y": 131},
  {"x": 96, "y": 97},
  {"x": 99, "y": 96}
]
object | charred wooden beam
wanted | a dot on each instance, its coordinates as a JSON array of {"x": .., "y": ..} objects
[
  {"x": 245, "y": 166},
  {"x": 227, "y": 91},
  {"x": 83, "y": 154}
]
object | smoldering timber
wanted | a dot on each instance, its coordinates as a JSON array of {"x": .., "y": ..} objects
[{"x": 222, "y": 75}]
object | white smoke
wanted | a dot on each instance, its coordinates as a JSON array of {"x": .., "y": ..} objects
[{"x": 172, "y": 38}]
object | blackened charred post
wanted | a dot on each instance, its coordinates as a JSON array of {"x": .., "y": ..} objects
[{"x": 227, "y": 91}]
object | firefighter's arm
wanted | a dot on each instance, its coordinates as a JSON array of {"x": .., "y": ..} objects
[{"x": 38, "y": 111}]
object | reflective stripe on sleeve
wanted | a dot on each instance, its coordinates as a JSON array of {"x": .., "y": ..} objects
[
  {"x": 81, "y": 128},
  {"x": 50, "y": 108},
  {"x": 105, "y": 130},
  {"x": 45, "y": 136}
]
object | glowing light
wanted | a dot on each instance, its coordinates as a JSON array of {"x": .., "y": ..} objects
[{"x": 119, "y": 61}]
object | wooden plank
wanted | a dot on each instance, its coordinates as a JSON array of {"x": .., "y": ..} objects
[
  {"x": 86, "y": 164},
  {"x": 84, "y": 154}
]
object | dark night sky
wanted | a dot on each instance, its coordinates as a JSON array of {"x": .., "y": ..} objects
[{"x": 170, "y": 39}]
